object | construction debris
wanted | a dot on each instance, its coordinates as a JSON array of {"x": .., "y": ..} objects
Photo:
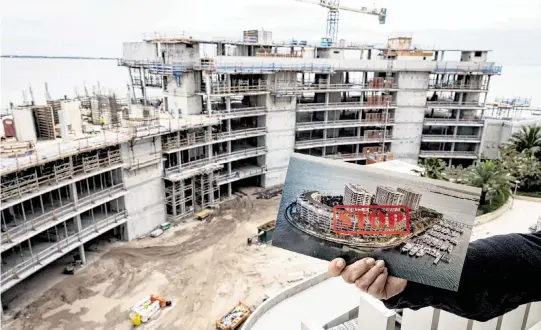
[
  {"x": 146, "y": 308},
  {"x": 234, "y": 318},
  {"x": 269, "y": 193}
]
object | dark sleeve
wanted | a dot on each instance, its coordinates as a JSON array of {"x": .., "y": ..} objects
[{"x": 500, "y": 273}]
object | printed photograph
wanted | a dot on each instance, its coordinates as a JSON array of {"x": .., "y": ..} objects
[{"x": 420, "y": 227}]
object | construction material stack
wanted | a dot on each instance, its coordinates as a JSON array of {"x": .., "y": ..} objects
[{"x": 234, "y": 318}]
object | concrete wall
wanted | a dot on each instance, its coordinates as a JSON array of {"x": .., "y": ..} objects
[
  {"x": 181, "y": 98},
  {"x": 498, "y": 131},
  {"x": 280, "y": 139},
  {"x": 409, "y": 115},
  {"x": 24, "y": 125},
  {"x": 178, "y": 52},
  {"x": 139, "y": 51},
  {"x": 145, "y": 201}
]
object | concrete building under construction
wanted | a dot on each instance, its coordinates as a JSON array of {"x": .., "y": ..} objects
[{"x": 75, "y": 169}]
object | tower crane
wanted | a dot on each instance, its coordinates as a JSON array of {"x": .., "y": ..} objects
[{"x": 333, "y": 15}]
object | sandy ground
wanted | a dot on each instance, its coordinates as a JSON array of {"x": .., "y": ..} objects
[{"x": 204, "y": 268}]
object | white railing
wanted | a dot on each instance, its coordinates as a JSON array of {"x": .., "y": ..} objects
[
  {"x": 234, "y": 112},
  {"x": 360, "y": 155},
  {"x": 38, "y": 223},
  {"x": 240, "y": 174},
  {"x": 453, "y": 104},
  {"x": 454, "y": 120},
  {"x": 59, "y": 247},
  {"x": 344, "y": 123},
  {"x": 286, "y": 87},
  {"x": 450, "y": 137},
  {"x": 19, "y": 187},
  {"x": 439, "y": 153},
  {"x": 217, "y": 88},
  {"x": 249, "y": 152},
  {"x": 343, "y": 105},
  {"x": 173, "y": 144},
  {"x": 342, "y": 140},
  {"x": 462, "y": 86}
]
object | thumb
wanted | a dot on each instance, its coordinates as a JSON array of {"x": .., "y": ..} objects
[{"x": 336, "y": 266}]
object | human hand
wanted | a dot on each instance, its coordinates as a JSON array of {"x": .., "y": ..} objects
[{"x": 369, "y": 276}]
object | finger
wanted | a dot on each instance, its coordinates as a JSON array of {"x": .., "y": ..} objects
[
  {"x": 336, "y": 266},
  {"x": 377, "y": 288},
  {"x": 365, "y": 281},
  {"x": 357, "y": 269}
]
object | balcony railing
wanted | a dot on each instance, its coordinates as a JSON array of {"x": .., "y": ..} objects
[
  {"x": 300, "y": 87},
  {"x": 448, "y": 154},
  {"x": 491, "y": 68},
  {"x": 240, "y": 174},
  {"x": 19, "y": 187},
  {"x": 173, "y": 144},
  {"x": 472, "y": 138},
  {"x": 342, "y": 123},
  {"x": 221, "y": 158},
  {"x": 261, "y": 86},
  {"x": 460, "y": 86},
  {"x": 454, "y": 121},
  {"x": 453, "y": 104},
  {"x": 60, "y": 248},
  {"x": 302, "y": 107},
  {"x": 346, "y": 157},
  {"x": 340, "y": 140},
  {"x": 37, "y": 224},
  {"x": 240, "y": 112}
]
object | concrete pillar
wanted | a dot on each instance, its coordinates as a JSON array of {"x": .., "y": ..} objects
[
  {"x": 229, "y": 190},
  {"x": 457, "y": 114},
  {"x": 82, "y": 253}
]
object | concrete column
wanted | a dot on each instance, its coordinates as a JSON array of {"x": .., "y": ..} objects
[
  {"x": 82, "y": 253},
  {"x": 174, "y": 192},
  {"x": 457, "y": 114},
  {"x": 229, "y": 190},
  {"x": 228, "y": 103}
]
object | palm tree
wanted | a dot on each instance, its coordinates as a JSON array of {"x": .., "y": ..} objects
[
  {"x": 432, "y": 168},
  {"x": 528, "y": 138},
  {"x": 495, "y": 182},
  {"x": 455, "y": 174}
]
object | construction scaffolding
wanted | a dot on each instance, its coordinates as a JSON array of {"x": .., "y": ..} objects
[
  {"x": 45, "y": 123},
  {"x": 179, "y": 199},
  {"x": 56, "y": 106},
  {"x": 207, "y": 191}
]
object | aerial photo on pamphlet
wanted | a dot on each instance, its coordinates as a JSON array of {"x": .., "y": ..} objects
[{"x": 420, "y": 227}]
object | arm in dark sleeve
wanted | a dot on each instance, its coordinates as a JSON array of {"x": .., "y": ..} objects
[{"x": 500, "y": 273}]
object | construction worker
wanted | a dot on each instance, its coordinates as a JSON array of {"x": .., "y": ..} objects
[{"x": 102, "y": 121}]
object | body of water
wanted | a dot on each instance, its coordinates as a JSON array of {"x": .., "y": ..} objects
[
  {"x": 329, "y": 178},
  {"x": 65, "y": 76}
]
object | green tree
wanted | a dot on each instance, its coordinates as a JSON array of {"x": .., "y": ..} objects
[
  {"x": 433, "y": 168},
  {"x": 524, "y": 166},
  {"x": 456, "y": 174},
  {"x": 495, "y": 182},
  {"x": 528, "y": 138}
]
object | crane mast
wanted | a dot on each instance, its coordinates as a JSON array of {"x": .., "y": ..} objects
[{"x": 333, "y": 16}]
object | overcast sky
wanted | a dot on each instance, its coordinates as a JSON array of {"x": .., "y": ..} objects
[{"x": 98, "y": 27}]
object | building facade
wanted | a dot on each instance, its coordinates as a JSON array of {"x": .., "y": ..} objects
[
  {"x": 412, "y": 199},
  {"x": 355, "y": 195},
  {"x": 388, "y": 196}
]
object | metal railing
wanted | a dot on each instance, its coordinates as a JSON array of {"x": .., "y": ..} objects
[
  {"x": 360, "y": 155},
  {"x": 344, "y": 123},
  {"x": 440, "y": 153},
  {"x": 324, "y": 86},
  {"x": 453, "y": 104},
  {"x": 249, "y": 152},
  {"x": 340, "y": 140},
  {"x": 174, "y": 144},
  {"x": 240, "y": 174},
  {"x": 428, "y": 137},
  {"x": 238, "y": 112},
  {"x": 492, "y": 68},
  {"x": 60, "y": 247},
  {"x": 456, "y": 85},
  {"x": 342, "y": 105},
  {"x": 31, "y": 183},
  {"x": 261, "y": 86},
  {"x": 38, "y": 223},
  {"x": 454, "y": 120}
]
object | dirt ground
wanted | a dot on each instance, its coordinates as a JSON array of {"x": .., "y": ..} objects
[{"x": 204, "y": 268}]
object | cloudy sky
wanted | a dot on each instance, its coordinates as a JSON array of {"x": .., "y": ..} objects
[{"x": 98, "y": 27}]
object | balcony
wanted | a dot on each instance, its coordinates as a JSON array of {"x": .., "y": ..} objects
[
  {"x": 243, "y": 88},
  {"x": 36, "y": 224},
  {"x": 209, "y": 165},
  {"x": 175, "y": 145},
  {"x": 307, "y": 126},
  {"x": 309, "y": 107},
  {"x": 287, "y": 88},
  {"x": 347, "y": 157},
  {"x": 474, "y": 121},
  {"x": 451, "y": 138},
  {"x": 38, "y": 260},
  {"x": 443, "y": 104},
  {"x": 240, "y": 112},
  {"x": 241, "y": 173},
  {"x": 339, "y": 141},
  {"x": 458, "y": 87},
  {"x": 23, "y": 188},
  {"x": 448, "y": 154},
  {"x": 489, "y": 68}
]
